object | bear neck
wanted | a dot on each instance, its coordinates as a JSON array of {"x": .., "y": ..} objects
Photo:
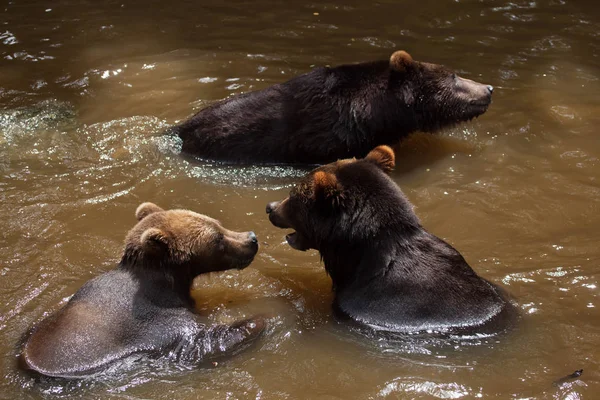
[
  {"x": 344, "y": 264},
  {"x": 358, "y": 263},
  {"x": 170, "y": 277},
  {"x": 367, "y": 96}
]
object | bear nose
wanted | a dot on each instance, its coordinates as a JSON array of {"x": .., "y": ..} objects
[
  {"x": 271, "y": 206},
  {"x": 252, "y": 237},
  {"x": 491, "y": 89}
]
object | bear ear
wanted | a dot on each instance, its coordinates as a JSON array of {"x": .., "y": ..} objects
[
  {"x": 383, "y": 157},
  {"x": 146, "y": 209},
  {"x": 327, "y": 187},
  {"x": 154, "y": 240},
  {"x": 400, "y": 61}
]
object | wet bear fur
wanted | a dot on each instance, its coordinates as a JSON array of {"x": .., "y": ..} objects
[
  {"x": 388, "y": 272},
  {"x": 334, "y": 113},
  {"x": 144, "y": 307}
]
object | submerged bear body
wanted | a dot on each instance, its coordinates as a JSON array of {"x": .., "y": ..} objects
[
  {"x": 333, "y": 113},
  {"x": 424, "y": 285},
  {"x": 388, "y": 272},
  {"x": 111, "y": 317},
  {"x": 143, "y": 307}
]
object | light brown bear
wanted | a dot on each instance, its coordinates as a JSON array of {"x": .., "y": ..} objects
[{"x": 144, "y": 307}]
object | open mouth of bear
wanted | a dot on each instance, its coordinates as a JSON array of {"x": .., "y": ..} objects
[{"x": 297, "y": 241}]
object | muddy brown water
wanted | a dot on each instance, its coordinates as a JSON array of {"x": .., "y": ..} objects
[{"x": 86, "y": 88}]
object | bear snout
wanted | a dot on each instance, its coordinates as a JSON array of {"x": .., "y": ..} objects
[
  {"x": 252, "y": 237},
  {"x": 275, "y": 212},
  {"x": 272, "y": 206},
  {"x": 278, "y": 221},
  {"x": 478, "y": 94},
  {"x": 253, "y": 241},
  {"x": 248, "y": 241}
]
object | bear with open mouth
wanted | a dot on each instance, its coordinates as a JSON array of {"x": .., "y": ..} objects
[
  {"x": 388, "y": 272},
  {"x": 144, "y": 307},
  {"x": 331, "y": 113}
]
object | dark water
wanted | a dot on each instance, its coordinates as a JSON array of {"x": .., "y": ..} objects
[{"x": 87, "y": 87}]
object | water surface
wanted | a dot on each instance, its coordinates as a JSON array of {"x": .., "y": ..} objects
[{"x": 87, "y": 88}]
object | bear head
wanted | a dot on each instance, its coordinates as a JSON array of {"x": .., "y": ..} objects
[
  {"x": 435, "y": 93},
  {"x": 184, "y": 243},
  {"x": 344, "y": 207}
]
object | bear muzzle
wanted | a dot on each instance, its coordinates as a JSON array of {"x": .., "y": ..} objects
[
  {"x": 272, "y": 206},
  {"x": 274, "y": 211},
  {"x": 251, "y": 243},
  {"x": 253, "y": 239},
  {"x": 479, "y": 95},
  {"x": 241, "y": 249}
]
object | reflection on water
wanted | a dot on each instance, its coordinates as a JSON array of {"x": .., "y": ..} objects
[{"x": 87, "y": 92}]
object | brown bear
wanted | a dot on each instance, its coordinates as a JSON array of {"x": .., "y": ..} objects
[
  {"x": 333, "y": 113},
  {"x": 144, "y": 307},
  {"x": 388, "y": 272}
]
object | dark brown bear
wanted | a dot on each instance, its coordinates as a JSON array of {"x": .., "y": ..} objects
[
  {"x": 388, "y": 272},
  {"x": 144, "y": 307},
  {"x": 333, "y": 113}
]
